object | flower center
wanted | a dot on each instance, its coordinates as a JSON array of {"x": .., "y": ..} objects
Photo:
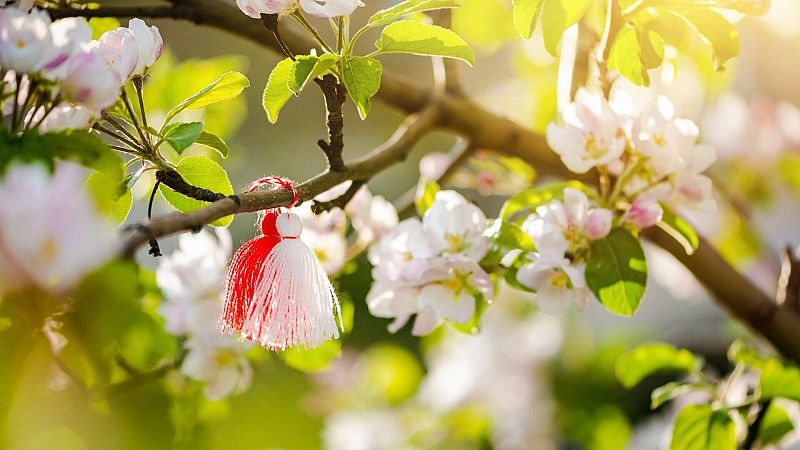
[
  {"x": 559, "y": 280},
  {"x": 457, "y": 283},
  {"x": 457, "y": 243},
  {"x": 21, "y": 43}
]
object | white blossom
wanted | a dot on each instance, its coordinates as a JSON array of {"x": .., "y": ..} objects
[
  {"x": 26, "y": 44},
  {"x": 430, "y": 267},
  {"x": 120, "y": 51},
  {"x": 254, "y": 8},
  {"x": 149, "y": 44},
  {"x": 330, "y": 8},
  {"x": 223, "y": 367},
  {"x": 64, "y": 117},
  {"x": 455, "y": 226},
  {"x": 191, "y": 281},
  {"x": 591, "y": 134},
  {"x": 55, "y": 236}
]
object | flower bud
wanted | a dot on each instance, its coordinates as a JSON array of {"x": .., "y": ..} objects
[
  {"x": 254, "y": 8},
  {"x": 644, "y": 213},
  {"x": 598, "y": 223},
  {"x": 90, "y": 82},
  {"x": 148, "y": 42}
]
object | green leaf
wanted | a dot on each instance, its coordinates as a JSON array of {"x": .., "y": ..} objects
[
  {"x": 201, "y": 172},
  {"x": 670, "y": 391},
  {"x": 679, "y": 229},
  {"x": 645, "y": 360},
  {"x": 527, "y": 200},
  {"x": 557, "y": 16},
  {"x": 277, "y": 92},
  {"x": 526, "y": 13},
  {"x": 399, "y": 10},
  {"x": 308, "y": 67},
  {"x": 634, "y": 52},
  {"x": 775, "y": 426},
  {"x": 213, "y": 142},
  {"x": 112, "y": 198},
  {"x": 227, "y": 87},
  {"x": 181, "y": 135},
  {"x": 87, "y": 149},
  {"x": 740, "y": 353},
  {"x": 505, "y": 237},
  {"x": 362, "y": 78},
  {"x": 716, "y": 30},
  {"x": 698, "y": 427},
  {"x": 418, "y": 38},
  {"x": 617, "y": 272},
  {"x": 779, "y": 380},
  {"x": 426, "y": 193},
  {"x": 5, "y": 323}
]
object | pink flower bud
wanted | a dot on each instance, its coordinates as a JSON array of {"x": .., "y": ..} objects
[
  {"x": 254, "y": 8},
  {"x": 598, "y": 223},
  {"x": 644, "y": 213},
  {"x": 90, "y": 82},
  {"x": 120, "y": 51}
]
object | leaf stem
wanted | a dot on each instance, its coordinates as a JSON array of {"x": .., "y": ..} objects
[{"x": 298, "y": 16}]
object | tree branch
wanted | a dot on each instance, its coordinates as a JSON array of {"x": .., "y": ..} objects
[
  {"x": 392, "y": 151},
  {"x": 484, "y": 129},
  {"x": 339, "y": 202},
  {"x": 335, "y": 96}
]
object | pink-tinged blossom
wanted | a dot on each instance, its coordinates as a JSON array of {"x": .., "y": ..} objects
[
  {"x": 598, "y": 223},
  {"x": 254, "y": 8},
  {"x": 90, "y": 82},
  {"x": 589, "y": 135},
  {"x": 149, "y": 44},
  {"x": 26, "y": 44},
  {"x": 644, "y": 212},
  {"x": 54, "y": 237},
  {"x": 120, "y": 51}
]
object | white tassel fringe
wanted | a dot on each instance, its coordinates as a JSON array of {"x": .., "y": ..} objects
[{"x": 294, "y": 303}]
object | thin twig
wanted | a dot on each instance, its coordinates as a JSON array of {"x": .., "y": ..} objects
[{"x": 339, "y": 202}]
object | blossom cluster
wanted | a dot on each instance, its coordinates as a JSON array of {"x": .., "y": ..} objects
[
  {"x": 371, "y": 217},
  {"x": 79, "y": 75},
  {"x": 430, "y": 267},
  {"x": 325, "y": 8},
  {"x": 191, "y": 281},
  {"x": 562, "y": 231},
  {"x": 55, "y": 236},
  {"x": 653, "y": 156}
]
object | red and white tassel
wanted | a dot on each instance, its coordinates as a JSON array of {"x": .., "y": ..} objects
[
  {"x": 295, "y": 303},
  {"x": 244, "y": 274},
  {"x": 277, "y": 292}
]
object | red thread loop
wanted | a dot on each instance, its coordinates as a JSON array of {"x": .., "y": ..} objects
[{"x": 277, "y": 182}]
